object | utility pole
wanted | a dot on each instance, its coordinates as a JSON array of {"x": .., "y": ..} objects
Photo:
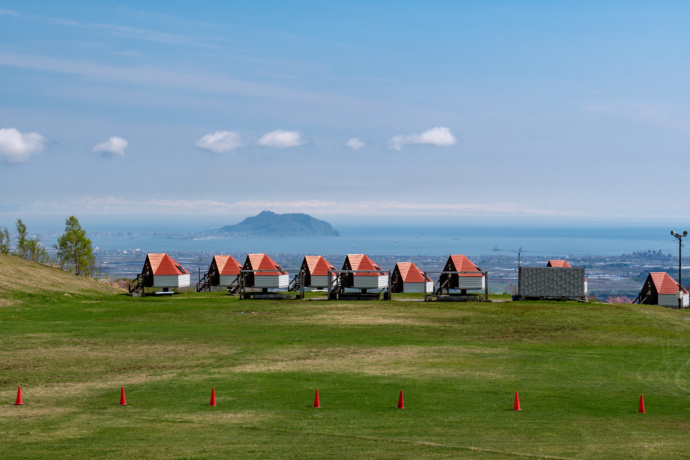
[{"x": 680, "y": 266}]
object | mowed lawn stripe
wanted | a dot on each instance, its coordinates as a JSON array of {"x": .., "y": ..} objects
[{"x": 580, "y": 369}]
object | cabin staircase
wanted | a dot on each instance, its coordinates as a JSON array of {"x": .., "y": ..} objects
[
  {"x": 640, "y": 300},
  {"x": 204, "y": 284},
  {"x": 336, "y": 288},
  {"x": 440, "y": 287},
  {"x": 295, "y": 284},
  {"x": 136, "y": 287},
  {"x": 234, "y": 287},
  {"x": 241, "y": 285}
]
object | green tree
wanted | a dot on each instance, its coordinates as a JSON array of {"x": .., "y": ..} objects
[
  {"x": 5, "y": 241},
  {"x": 36, "y": 252},
  {"x": 21, "y": 250},
  {"x": 74, "y": 249}
]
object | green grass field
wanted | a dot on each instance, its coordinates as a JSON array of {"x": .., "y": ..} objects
[{"x": 579, "y": 368}]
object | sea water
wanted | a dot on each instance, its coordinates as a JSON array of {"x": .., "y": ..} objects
[{"x": 411, "y": 241}]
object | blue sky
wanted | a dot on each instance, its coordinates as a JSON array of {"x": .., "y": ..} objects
[{"x": 458, "y": 111}]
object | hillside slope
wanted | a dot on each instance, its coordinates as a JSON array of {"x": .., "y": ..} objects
[{"x": 18, "y": 276}]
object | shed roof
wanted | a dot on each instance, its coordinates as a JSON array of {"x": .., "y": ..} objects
[
  {"x": 318, "y": 266},
  {"x": 263, "y": 262},
  {"x": 558, "y": 263},
  {"x": 410, "y": 273},
  {"x": 362, "y": 262},
  {"x": 663, "y": 283},
  {"x": 462, "y": 264},
  {"x": 227, "y": 265},
  {"x": 163, "y": 264}
]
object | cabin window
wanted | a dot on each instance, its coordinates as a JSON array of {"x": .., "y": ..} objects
[{"x": 180, "y": 269}]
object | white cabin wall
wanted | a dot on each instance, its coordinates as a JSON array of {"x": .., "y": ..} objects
[
  {"x": 670, "y": 300},
  {"x": 271, "y": 281},
  {"x": 171, "y": 281},
  {"x": 471, "y": 282},
  {"x": 413, "y": 288},
  {"x": 227, "y": 280},
  {"x": 371, "y": 282},
  {"x": 320, "y": 281}
]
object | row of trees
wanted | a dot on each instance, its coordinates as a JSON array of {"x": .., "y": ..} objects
[{"x": 74, "y": 250}]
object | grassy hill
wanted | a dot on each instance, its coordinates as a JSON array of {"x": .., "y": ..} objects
[
  {"x": 19, "y": 277},
  {"x": 579, "y": 368}
]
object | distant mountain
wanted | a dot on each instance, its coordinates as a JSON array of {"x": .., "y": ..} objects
[{"x": 268, "y": 223}]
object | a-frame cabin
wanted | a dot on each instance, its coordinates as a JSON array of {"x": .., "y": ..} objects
[
  {"x": 408, "y": 278},
  {"x": 376, "y": 278},
  {"x": 660, "y": 289},
  {"x": 265, "y": 274},
  {"x": 161, "y": 271},
  {"x": 558, "y": 263},
  {"x": 224, "y": 271},
  {"x": 315, "y": 272},
  {"x": 467, "y": 275}
]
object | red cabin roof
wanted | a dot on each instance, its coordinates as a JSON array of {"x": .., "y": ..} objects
[
  {"x": 663, "y": 283},
  {"x": 227, "y": 265},
  {"x": 410, "y": 273},
  {"x": 263, "y": 262},
  {"x": 362, "y": 262},
  {"x": 558, "y": 263},
  {"x": 163, "y": 264},
  {"x": 460, "y": 263},
  {"x": 318, "y": 266}
]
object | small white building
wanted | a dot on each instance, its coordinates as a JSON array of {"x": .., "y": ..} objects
[
  {"x": 315, "y": 269},
  {"x": 407, "y": 278},
  {"x": 161, "y": 271},
  {"x": 468, "y": 276},
  {"x": 375, "y": 279},
  {"x": 266, "y": 273},
  {"x": 661, "y": 289}
]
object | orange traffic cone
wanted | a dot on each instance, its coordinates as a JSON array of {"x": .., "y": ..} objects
[
  {"x": 641, "y": 409},
  {"x": 516, "y": 404},
  {"x": 123, "y": 401},
  {"x": 401, "y": 404},
  {"x": 19, "y": 401},
  {"x": 317, "y": 404},
  {"x": 213, "y": 396}
]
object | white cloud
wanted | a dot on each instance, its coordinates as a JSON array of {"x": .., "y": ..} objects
[
  {"x": 355, "y": 144},
  {"x": 439, "y": 136},
  {"x": 112, "y": 205},
  {"x": 114, "y": 146},
  {"x": 16, "y": 147},
  {"x": 281, "y": 138},
  {"x": 220, "y": 141}
]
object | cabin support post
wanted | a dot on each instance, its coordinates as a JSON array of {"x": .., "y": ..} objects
[
  {"x": 390, "y": 294},
  {"x": 301, "y": 284}
]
